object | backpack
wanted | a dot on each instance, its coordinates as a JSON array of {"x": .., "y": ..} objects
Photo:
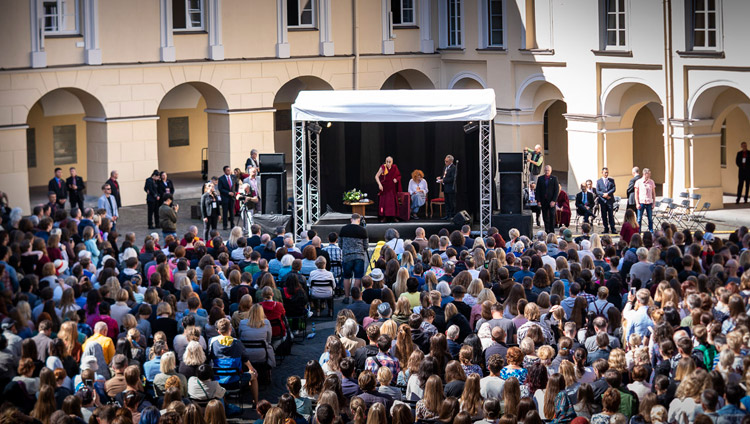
[{"x": 600, "y": 313}]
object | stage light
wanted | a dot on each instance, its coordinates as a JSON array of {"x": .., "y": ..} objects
[
  {"x": 328, "y": 125},
  {"x": 314, "y": 127},
  {"x": 471, "y": 126}
]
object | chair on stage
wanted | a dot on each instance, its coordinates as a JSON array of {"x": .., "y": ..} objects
[
  {"x": 404, "y": 206},
  {"x": 439, "y": 201}
]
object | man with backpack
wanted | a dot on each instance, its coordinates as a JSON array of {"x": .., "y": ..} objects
[{"x": 601, "y": 306}]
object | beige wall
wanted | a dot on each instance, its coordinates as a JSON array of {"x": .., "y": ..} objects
[
  {"x": 45, "y": 160},
  {"x": 191, "y": 46},
  {"x": 14, "y": 31},
  {"x": 129, "y": 31},
  {"x": 738, "y": 129},
  {"x": 183, "y": 158},
  {"x": 63, "y": 50},
  {"x": 244, "y": 33}
]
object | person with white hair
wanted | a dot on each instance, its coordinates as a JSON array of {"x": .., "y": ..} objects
[
  {"x": 322, "y": 283},
  {"x": 642, "y": 269},
  {"x": 167, "y": 368},
  {"x": 585, "y": 250},
  {"x": 445, "y": 293},
  {"x": 349, "y": 337}
]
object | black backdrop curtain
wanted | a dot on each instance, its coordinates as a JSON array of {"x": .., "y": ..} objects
[{"x": 351, "y": 152}]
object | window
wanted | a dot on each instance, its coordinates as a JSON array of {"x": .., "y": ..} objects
[
  {"x": 454, "y": 23},
  {"x": 616, "y": 23},
  {"x": 187, "y": 15},
  {"x": 300, "y": 13},
  {"x": 723, "y": 146},
  {"x": 179, "y": 131},
  {"x": 60, "y": 17},
  {"x": 495, "y": 23},
  {"x": 64, "y": 144},
  {"x": 30, "y": 148},
  {"x": 403, "y": 12},
  {"x": 704, "y": 24},
  {"x": 546, "y": 131}
]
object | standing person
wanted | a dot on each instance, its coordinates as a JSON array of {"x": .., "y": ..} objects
[
  {"x": 109, "y": 204},
  {"x": 354, "y": 244},
  {"x": 389, "y": 184},
  {"x": 112, "y": 181},
  {"x": 227, "y": 188},
  {"x": 418, "y": 192},
  {"x": 448, "y": 180},
  {"x": 585, "y": 203},
  {"x": 547, "y": 189},
  {"x": 168, "y": 216},
  {"x": 535, "y": 160},
  {"x": 605, "y": 192},
  {"x": 254, "y": 182},
  {"x": 563, "y": 207},
  {"x": 209, "y": 209},
  {"x": 152, "y": 199},
  {"x": 645, "y": 196},
  {"x": 164, "y": 186},
  {"x": 743, "y": 171},
  {"x": 75, "y": 186},
  {"x": 252, "y": 162},
  {"x": 631, "y": 188},
  {"x": 57, "y": 185}
]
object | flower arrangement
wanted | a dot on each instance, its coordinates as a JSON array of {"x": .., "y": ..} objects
[{"x": 354, "y": 195}]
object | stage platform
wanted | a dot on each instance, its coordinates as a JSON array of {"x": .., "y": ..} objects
[{"x": 333, "y": 221}]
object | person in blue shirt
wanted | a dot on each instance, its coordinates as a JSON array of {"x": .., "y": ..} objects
[
  {"x": 637, "y": 317},
  {"x": 731, "y": 412},
  {"x": 151, "y": 368},
  {"x": 524, "y": 272}
]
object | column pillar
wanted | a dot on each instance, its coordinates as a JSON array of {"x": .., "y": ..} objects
[
  {"x": 233, "y": 133},
  {"x": 215, "y": 48},
  {"x": 326, "y": 29},
  {"x": 14, "y": 174},
  {"x": 427, "y": 45},
  {"x": 167, "y": 50},
  {"x": 93, "y": 55},
  {"x": 283, "y": 50},
  {"x": 38, "y": 55}
]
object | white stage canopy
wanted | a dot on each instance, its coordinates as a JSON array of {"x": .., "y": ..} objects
[{"x": 395, "y": 105}]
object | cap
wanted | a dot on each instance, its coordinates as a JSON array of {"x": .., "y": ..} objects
[
  {"x": 708, "y": 237},
  {"x": 7, "y": 323},
  {"x": 568, "y": 235},
  {"x": 60, "y": 266},
  {"x": 376, "y": 275},
  {"x": 384, "y": 309},
  {"x": 106, "y": 258},
  {"x": 89, "y": 362}
]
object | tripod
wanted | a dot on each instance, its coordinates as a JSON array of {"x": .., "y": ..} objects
[{"x": 245, "y": 217}]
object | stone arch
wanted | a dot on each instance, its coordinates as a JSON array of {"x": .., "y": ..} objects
[
  {"x": 536, "y": 94},
  {"x": 408, "y": 79},
  {"x": 467, "y": 80},
  {"x": 65, "y": 129},
  {"x": 282, "y": 103},
  {"x": 192, "y": 117},
  {"x": 625, "y": 97}
]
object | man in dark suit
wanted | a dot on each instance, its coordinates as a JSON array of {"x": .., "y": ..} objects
[
  {"x": 605, "y": 189},
  {"x": 227, "y": 189},
  {"x": 152, "y": 199},
  {"x": 75, "y": 186},
  {"x": 631, "y": 188},
  {"x": 531, "y": 202},
  {"x": 547, "y": 190},
  {"x": 743, "y": 171},
  {"x": 448, "y": 180},
  {"x": 585, "y": 203},
  {"x": 57, "y": 185},
  {"x": 112, "y": 181}
]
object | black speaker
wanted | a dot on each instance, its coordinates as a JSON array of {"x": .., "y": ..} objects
[
  {"x": 271, "y": 162},
  {"x": 462, "y": 218},
  {"x": 521, "y": 222},
  {"x": 508, "y": 162},
  {"x": 273, "y": 192},
  {"x": 511, "y": 193}
]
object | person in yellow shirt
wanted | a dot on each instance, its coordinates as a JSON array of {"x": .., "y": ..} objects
[{"x": 100, "y": 336}]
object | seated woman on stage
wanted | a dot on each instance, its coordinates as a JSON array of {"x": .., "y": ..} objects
[{"x": 417, "y": 191}]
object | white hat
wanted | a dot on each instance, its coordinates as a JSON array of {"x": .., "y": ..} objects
[
  {"x": 60, "y": 266},
  {"x": 129, "y": 253},
  {"x": 376, "y": 274},
  {"x": 106, "y": 258},
  {"x": 84, "y": 254},
  {"x": 155, "y": 236},
  {"x": 89, "y": 362}
]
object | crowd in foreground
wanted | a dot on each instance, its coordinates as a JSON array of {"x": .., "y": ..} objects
[{"x": 448, "y": 328}]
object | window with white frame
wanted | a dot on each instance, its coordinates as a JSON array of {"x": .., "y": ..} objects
[
  {"x": 403, "y": 12},
  {"x": 495, "y": 27},
  {"x": 616, "y": 24},
  {"x": 188, "y": 15},
  {"x": 705, "y": 24},
  {"x": 60, "y": 17},
  {"x": 454, "y": 23},
  {"x": 300, "y": 13}
]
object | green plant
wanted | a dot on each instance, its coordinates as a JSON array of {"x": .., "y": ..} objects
[{"x": 353, "y": 195}]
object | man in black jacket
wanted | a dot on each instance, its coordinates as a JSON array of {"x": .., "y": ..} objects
[
  {"x": 547, "y": 189},
  {"x": 152, "y": 199},
  {"x": 75, "y": 186},
  {"x": 112, "y": 181},
  {"x": 57, "y": 186},
  {"x": 743, "y": 171},
  {"x": 448, "y": 180},
  {"x": 631, "y": 188},
  {"x": 585, "y": 203},
  {"x": 371, "y": 349},
  {"x": 227, "y": 189}
]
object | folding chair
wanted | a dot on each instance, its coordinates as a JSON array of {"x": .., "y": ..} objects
[
  {"x": 316, "y": 300},
  {"x": 661, "y": 210},
  {"x": 615, "y": 209},
  {"x": 228, "y": 372},
  {"x": 699, "y": 217},
  {"x": 263, "y": 368}
]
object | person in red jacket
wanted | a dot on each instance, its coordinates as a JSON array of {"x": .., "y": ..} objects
[
  {"x": 274, "y": 311},
  {"x": 629, "y": 227}
]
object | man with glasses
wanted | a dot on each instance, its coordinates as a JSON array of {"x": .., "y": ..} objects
[{"x": 109, "y": 204}]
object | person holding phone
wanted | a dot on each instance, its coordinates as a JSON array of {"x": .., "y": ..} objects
[{"x": 637, "y": 314}]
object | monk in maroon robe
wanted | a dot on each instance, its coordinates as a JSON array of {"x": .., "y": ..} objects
[{"x": 389, "y": 183}]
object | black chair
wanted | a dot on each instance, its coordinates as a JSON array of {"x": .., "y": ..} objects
[
  {"x": 263, "y": 368},
  {"x": 329, "y": 300}
]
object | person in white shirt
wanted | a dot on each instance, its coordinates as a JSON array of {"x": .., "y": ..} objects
[
  {"x": 109, "y": 204},
  {"x": 321, "y": 283},
  {"x": 418, "y": 192}
]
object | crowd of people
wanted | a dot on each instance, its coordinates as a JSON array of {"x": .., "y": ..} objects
[{"x": 449, "y": 327}]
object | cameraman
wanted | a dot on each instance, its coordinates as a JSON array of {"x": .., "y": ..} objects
[
  {"x": 248, "y": 199},
  {"x": 535, "y": 158},
  {"x": 168, "y": 216}
]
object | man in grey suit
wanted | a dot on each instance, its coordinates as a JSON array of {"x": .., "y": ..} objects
[
  {"x": 448, "y": 180},
  {"x": 605, "y": 193}
]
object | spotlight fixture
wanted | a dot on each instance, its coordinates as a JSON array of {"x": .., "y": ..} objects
[
  {"x": 328, "y": 125},
  {"x": 314, "y": 127},
  {"x": 471, "y": 126}
]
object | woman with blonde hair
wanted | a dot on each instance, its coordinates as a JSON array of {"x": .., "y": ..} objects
[
  {"x": 390, "y": 329},
  {"x": 45, "y": 404},
  {"x": 430, "y": 281},
  {"x": 471, "y": 399},
  {"x": 243, "y": 311},
  {"x": 618, "y": 362},
  {"x": 686, "y": 404},
  {"x": 472, "y": 292},
  {"x": 215, "y": 413},
  {"x": 428, "y": 408},
  {"x": 478, "y": 310},
  {"x": 257, "y": 328},
  {"x": 411, "y": 368},
  {"x": 403, "y": 311},
  {"x": 69, "y": 335},
  {"x": 167, "y": 366},
  {"x": 407, "y": 261},
  {"x": 193, "y": 357},
  {"x": 376, "y": 414}
]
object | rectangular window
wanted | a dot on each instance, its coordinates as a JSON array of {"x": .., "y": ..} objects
[
  {"x": 403, "y": 12},
  {"x": 704, "y": 24},
  {"x": 723, "y": 146},
  {"x": 495, "y": 23},
  {"x": 179, "y": 131},
  {"x": 300, "y": 13},
  {"x": 30, "y": 148},
  {"x": 454, "y": 23},
  {"x": 60, "y": 17},
  {"x": 616, "y": 23},
  {"x": 188, "y": 15},
  {"x": 64, "y": 144}
]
